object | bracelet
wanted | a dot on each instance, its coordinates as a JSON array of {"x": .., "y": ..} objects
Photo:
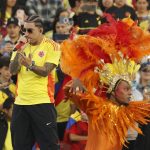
[{"x": 30, "y": 67}]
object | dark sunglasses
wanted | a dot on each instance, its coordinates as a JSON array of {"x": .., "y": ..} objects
[{"x": 24, "y": 30}]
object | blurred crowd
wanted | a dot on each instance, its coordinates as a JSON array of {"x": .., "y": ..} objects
[
  {"x": 59, "y": 19},
  {"x": 60, "y": 16}
]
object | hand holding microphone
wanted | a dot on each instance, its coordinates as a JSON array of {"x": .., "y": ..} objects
[
  {"x": 19, "y": 47},
  {"x": 20, "y": 44}
]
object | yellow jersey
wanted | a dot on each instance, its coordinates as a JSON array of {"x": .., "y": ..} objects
[
  {"x": 34, "y": 89},
  {"x": 63, "y": 111}
]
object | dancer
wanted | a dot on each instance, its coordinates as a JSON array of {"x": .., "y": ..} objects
[{"x": 105, "y": 63}]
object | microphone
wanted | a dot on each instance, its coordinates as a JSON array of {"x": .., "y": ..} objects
[{"x": 20, "y": 43}]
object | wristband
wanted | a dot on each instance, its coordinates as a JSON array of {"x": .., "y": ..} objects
[{"x": 31, "y": 66}]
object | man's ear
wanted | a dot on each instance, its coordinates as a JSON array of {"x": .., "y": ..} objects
[{"x": 41, "y": 30}]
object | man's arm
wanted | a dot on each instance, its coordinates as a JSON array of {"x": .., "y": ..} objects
[
  {"x": 15, "y": 65},
  {"x": 39, "y": 70},
  {"x": 45, "y": 70}
]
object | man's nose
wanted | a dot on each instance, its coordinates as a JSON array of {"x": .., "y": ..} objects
[{"x": 26, "y": 34}]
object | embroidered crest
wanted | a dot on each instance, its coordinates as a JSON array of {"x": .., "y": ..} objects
[{"x": 41, "y": 53}]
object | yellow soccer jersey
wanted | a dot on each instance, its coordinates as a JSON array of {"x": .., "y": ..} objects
[
  {"x": 63, "y": 111},
  {"x": 32, "y": 88}
]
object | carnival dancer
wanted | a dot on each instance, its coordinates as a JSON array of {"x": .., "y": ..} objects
[{"x": 105, "y": 62}]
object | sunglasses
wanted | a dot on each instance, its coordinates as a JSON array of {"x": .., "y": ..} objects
[{"x": 24, "y": 30}]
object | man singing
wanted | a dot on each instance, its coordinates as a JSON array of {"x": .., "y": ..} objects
[{"x": 34, "y": 115}]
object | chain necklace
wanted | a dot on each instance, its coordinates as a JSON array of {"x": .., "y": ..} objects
[
  {"x": 37, "y": 46},
  {"x": 31, "y": 53}
]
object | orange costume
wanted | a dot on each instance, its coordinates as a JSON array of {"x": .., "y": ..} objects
[{"x": 99, "y": 59}]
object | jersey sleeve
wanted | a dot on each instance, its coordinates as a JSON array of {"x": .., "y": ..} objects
[{"x": 53, "y": 54}]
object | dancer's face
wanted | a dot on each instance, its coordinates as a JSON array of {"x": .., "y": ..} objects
[{"x": 123, "y": 92}]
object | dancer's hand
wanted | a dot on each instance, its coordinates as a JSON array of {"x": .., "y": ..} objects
[
  {"x": 77, "y": 86},
  {"x": 74, "y": 89},
  {"x": 71, "y": 96}
]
